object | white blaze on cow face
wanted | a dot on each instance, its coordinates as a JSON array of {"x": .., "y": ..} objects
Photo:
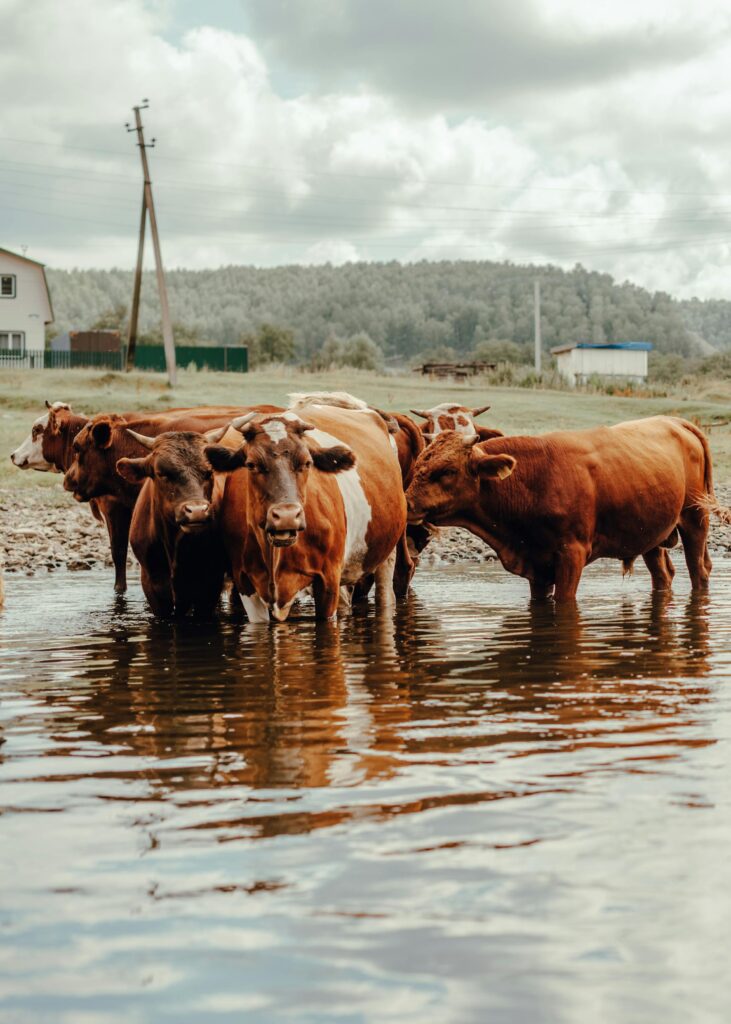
[
  {"x": 275, "y": 430},
  {"x": 29, "y": 454},
  {"x": 358, "y": 512}
]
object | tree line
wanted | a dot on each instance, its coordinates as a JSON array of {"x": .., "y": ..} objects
[{"x": 370, "y": 314}]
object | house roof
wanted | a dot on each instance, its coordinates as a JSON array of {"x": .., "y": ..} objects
[
  {"x": 631, "y": 346},
  {"x": 36, "y": 263}
]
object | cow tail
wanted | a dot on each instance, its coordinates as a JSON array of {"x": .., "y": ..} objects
[{"x": 708, "y": 501}]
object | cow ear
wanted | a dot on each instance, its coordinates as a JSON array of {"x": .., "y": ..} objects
[
  {"x": 101, "y": 433},
  {"x": 333, "y": 460},
  {"x": 491, "y": 466},
  {"x": 134, "y": 470},
  {"x": 223, "y": 460},
  {"x": 486, "y": 433}
]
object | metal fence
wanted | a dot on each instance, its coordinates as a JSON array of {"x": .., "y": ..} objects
[{"x": 147, "y": 357}]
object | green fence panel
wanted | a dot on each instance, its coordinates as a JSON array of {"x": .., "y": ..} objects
[{"x": 218, "y": 357}]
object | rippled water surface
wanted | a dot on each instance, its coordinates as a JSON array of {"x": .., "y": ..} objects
[{"x": 475, "y": 810}]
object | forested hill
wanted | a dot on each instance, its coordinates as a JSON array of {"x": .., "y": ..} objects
[{"x": 406, "y": 309}]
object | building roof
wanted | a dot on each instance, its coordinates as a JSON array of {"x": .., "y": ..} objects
[
  {"x": 36, "y": 263},
  {"x": 631, "y": 346}
]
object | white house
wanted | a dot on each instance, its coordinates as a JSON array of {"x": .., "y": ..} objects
[
  {"x": 623, "y": 360},
  {"x": 25, "y": 304}
]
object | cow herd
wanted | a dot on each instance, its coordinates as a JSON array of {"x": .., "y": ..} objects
[{"x": 334, "y": 497}]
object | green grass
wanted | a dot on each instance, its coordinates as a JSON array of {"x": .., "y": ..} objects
[{"x": 515, "y": 410}]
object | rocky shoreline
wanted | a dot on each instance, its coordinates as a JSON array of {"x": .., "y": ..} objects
[{"x": 44, "y": 530}]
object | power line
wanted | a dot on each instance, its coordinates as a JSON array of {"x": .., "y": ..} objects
[{"x": 306, "y": 172}]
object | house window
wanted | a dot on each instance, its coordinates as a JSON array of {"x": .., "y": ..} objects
[
  {"x": 12, "y": 341},
  {"x": 7, "y": 286}
]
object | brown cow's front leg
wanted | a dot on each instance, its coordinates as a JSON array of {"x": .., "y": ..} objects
[
  {"x": 405, "y": 567},
  {"x": 159, "y": 595},
  {"x": 326, "y": 591},
  {"x": 570, "y": 562},
  {"x": 118, "y": 518},
  {"x": 660, "y": 567},
  {"x": 540, "y": 591}
]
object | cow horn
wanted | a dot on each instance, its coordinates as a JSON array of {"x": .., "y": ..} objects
[
  {"x": 215, "y": 435},
  {"x": 424, "y": 415},
  {"x": 48, "y": 404},
  {"x": 146, "y": 442},
  {"x": 241, "y": 421},
  {"x": 479, "y": 411}
]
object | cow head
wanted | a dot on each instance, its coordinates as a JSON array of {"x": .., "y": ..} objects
[
  {"x": 92, "y": 473},
  {"x": 278, "y": 455},
  {"x": 449, "y": 416},
  {"x": 181, "y": 475},
  {"x": 30, "y": 454},
  {"x": 448, "y": 475}
]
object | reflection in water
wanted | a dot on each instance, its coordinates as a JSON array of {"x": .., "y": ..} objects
[{"x": 472, "y": 787}]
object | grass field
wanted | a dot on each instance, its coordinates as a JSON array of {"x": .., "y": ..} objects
[{"x": 515, "y": 410}]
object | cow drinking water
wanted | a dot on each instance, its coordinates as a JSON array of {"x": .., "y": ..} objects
[{"x": 551, "y": 504}]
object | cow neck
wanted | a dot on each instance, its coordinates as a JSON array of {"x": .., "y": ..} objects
[{"x": 67, "y": 453}]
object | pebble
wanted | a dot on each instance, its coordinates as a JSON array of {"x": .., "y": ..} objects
[{"x": 42, "y": 531}]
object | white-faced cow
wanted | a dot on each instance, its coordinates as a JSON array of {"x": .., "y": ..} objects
[
  {"x": 310, "y": 503},
  {"x": 551, "y": 504},
  {"x": 452, "y": 416}
]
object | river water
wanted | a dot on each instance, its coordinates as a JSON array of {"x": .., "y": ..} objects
[{"x": 474, "y": 810}]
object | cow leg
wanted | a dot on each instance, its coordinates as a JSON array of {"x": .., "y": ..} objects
[
  {"x": 405, "y": 567},
  {"x": 118, "y": 518},
  {"x": 540, "y": 591},
  {"x": 660, "y": 567},
  {"x": 384, "y": 581},
  {"x": 363, "y": 587},
  {"x": 569, "y": 567},
  {"x": 326, "y": 591},
  {"x": 159, "y": 595},
  {"x": 693, "y": 528}
]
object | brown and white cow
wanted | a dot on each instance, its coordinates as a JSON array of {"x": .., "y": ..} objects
[
  {"x": 408, "y": 442},
  {"x": 451, "y": 416},
  {"x": 173, "y": 532},
  {"x": 49, "y": 448},
  {"x": 316, "y": 502},
  {"x": 550, "y": 505}
]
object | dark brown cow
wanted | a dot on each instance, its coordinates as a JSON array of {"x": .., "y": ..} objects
[
  {"x": 549, "y": 505},
  {"x": 318, "y": 503},
  {"x": 173, "y": 533},
  {"x": 104, "y": 440}
]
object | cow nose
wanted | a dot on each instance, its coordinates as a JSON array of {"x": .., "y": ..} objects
[
  {"x": 196, "y": 511},
  {"x": 285, "y": 517},
  {"x": 12, "y": 459}
]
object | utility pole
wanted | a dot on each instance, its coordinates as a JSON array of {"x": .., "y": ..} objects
[
  {"x": 537, "y": 323},
  {"x": 148, "y": 208}
]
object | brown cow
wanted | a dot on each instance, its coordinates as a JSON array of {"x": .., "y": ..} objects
[
  {"x": 181, "y": 555},
  {"x": 104, "y": 440},
  {"x": 549, "y": 505},
  {"x": 319, "y": 503}
]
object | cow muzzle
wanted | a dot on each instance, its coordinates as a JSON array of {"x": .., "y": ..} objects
[
  {"x": 194, "y": 515},
  {"x": 283, "y": 523},
  {"x": 20, "y": 462}
]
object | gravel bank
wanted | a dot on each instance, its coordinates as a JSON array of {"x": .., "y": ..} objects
[{"x": 45, "y": 530}]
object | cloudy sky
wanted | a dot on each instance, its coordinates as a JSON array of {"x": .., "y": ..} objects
[{"x": 314, "y": 130}]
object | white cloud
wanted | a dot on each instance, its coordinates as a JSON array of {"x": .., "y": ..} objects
[{"x": 593, "y": 166}]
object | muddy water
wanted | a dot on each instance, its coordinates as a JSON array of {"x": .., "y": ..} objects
[{"x": 476, "y": 811}]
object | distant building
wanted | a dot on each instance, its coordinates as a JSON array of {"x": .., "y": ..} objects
[
  {"x": 25, "y": 303},
  {"x": 87, "y": 341},
  {"x": 622, "y": 360}
]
